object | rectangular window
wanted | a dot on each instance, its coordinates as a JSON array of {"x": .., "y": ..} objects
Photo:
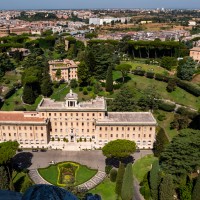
[
  {"x": 116, "y": 135},
  {"x": 111, "y": 135},
  {"x": 41, "y": 128},
  {"x": 100, "y": 128},
  {"x": 149, "y": 135},
  {"x": 127, "y": 135}
]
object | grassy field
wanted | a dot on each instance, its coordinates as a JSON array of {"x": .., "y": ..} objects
[
  {"x": 15, "y": 101},
  {"x": 165, "y": 124},
  {"x": 82, "y": 175},
  {"x": 147, "y": 67},
  {"x": 179, "y": 95},
  {"x": 18, "y": 179},
  {"x": 142, "y": 166},
  {"x": 106, "y": 190},
  {"x": 60, "y": 92}
]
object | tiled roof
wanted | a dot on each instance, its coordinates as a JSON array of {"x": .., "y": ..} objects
[{"x": 18, "y": 117}]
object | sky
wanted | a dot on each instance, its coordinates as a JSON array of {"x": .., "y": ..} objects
[{"x": 79, "y": 4}]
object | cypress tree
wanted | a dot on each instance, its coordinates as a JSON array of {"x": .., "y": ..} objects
[
  {"x": 28, "y": 94},
  {"x": 113, "y": 175},
  {"x": 119, "y": 180},
  {"x": 46, "y": 87},
  {"x": 160, "y": 143},
  {"x": 4, "y": 180},
  {"x": 127, "y": 186},
  {"x": 167, "y": 188},
  {"x": 109, "y": 79},
  {"x": 154, "y": 180},
  {"x": 196, "y": 190}
]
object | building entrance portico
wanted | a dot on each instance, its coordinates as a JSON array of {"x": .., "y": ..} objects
[{"x": 72, "y": 135}]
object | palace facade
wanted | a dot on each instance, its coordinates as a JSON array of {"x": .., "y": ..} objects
[{"x": 73, "y": 121}]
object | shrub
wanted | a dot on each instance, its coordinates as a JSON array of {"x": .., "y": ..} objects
[
  {"x": 9, "y": 93},
  {"x": 56, "y": 84},
  {"x": 85, "y": 92},
  {"x": 117, "y": 86},
  {"x": 7, "y": 81},
  {"x": 161, "y": 117},
  {"x": 19, "y": 108},
  {"x": 89, "y": 88},
  {"x": 166, "y": 106},
  {"x": 113, "y": 175},
  {"x": 80, "y": 89},
  {"x": 150, "y": 74},
  {"x": 73, "y": 83},
  {"x": 108, "y": 168},
  {"x": 187, "y": 112},
  {"x": 189, "y": 87},
  {"x": 139, "y": 72},
  {"x": 171, "y": 86},
  {"x": 161, "y": 77},
  {"x": 145, "y": 189}
]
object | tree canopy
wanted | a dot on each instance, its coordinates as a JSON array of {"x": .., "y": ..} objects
[
  {"x": 182, "y": 155},
  {"x": 119, "y": 148},
  {"x": 124, "y": 69}
]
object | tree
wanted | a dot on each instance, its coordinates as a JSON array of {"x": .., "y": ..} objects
[
  {"x": 167, "y": 188},
  {"x": 171, "y": 86},
  {"x": 127, "y": 185},
  {"x": 124, "y": 69},
  {"x": 7, "y": 151},
  {"x": 119, "y": 148},
  {"x": 5, "y": 64},
  {"x": 179, "y": 122},
  {"x": 83, "y": 74},
  {"x": 168, "y": 62},
  {"x": 26, "y": 184},
  {"x": 28, "y": 94},
  {"x": 109, "y": 80},
  {"x": 124, "y": 100},
  {"x": 119, "y": 180},
  {"x": 160, "y": 143},
  {"x": 113, "y": 175},
  {"x": 58, "y": 73},
  {"x": 154, "y": 180},
  {"x": 181, "y": 156},
  {"x": 73, "y": 83},
  {"x": 186, "y": 69},
  {"x": 46, "y": 86},
  {"x": 195, "y": 193},
  {"x": 4, "y": 179}
]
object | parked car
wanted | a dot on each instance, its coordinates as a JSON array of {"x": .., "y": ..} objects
[
  {"x": 43, "y": 150},
  {"x": 34, "y": 150},
  {"x": 52, "y": 162}
]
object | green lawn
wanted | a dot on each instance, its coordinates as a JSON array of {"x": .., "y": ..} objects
[
  {"x": 146, "y": 67},
  {"x": 18, "y": 179},
  {"x": 82, "y": 175},
  {"x": 15, "y": 100},
  {"x": 179, "y": 95},
  {"x": 60, "y": 92},
  {"x": 106, "y": 190},
  {"x": 50, "y": 174},
  {"x": 166, "y": 123},
  {"x": 142, "y": 166}
]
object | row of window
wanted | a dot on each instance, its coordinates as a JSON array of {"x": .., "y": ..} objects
[
  {"x": 21, "y": 128},
  {"x": 83, "y": 130},
  {"x": 23, "y": 134},
  {"x": 77, "y": 124},
  {"x": 123, "y": 128},
  {"x": 123, "y": 135},
  {"x": 71, "y": 114}
]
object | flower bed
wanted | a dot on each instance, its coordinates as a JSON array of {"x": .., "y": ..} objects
[{"x": 67, "y": 173}]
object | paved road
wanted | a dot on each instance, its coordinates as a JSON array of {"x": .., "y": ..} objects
[{"x": 93, "y": 159}]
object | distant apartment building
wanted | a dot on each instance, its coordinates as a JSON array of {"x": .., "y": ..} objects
[
  {"x": 107, "y": 20},
  {"x": 63, "y": 70},
  {"x": 195, "y": 53}
]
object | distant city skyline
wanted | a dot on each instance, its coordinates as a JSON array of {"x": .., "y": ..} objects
[{"x": 92, "y": 4}]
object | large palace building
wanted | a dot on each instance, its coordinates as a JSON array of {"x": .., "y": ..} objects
[{"x": 73, "y": 121}]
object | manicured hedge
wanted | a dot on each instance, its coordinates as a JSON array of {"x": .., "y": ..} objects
[
  {"x": 189, "y": 87},
  {"x": 139, "y": 72},
  {"x": 161, "y": 77},
  {"x": 10, "y": 92},
  {"x": 150, "y": 74},
  {"x": 187, "y": 112},
  {"x": 166, "y": 106}
]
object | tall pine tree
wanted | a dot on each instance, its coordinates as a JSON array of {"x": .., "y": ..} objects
[
  {"x": 196, "y": 190},
  {"x": 119, "y": 180},
  {"x": 109, "y": 79},
  {"x": 154, "y": 180},
  {"x": 167, "y": 188},
  {"x": 127, "y": 186},
  {"x": 4, "y": 179}
]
